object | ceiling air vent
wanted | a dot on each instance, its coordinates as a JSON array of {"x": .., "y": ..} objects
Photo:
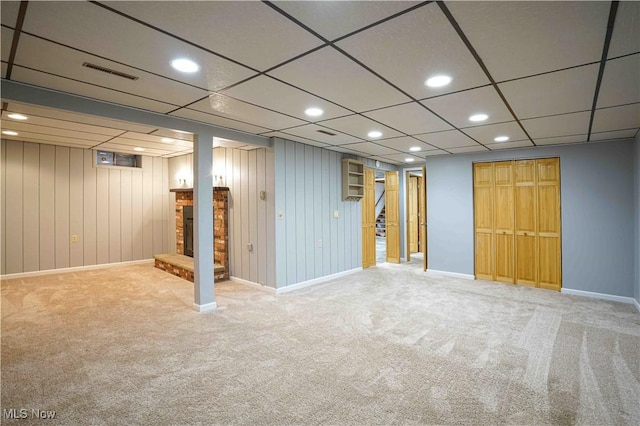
[
  {"x": 109, "y": 71},
  {"x": 326, "y": 133}
]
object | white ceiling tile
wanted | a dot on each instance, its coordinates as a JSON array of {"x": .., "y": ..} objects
[
  {"x": 249, "y": 32},
  {"x": 561, "y": 140},
  {"x": 177, "y": 154},
  {"x": 120, "y": 144},
  {"x": 41, "y": 55},
  {"x": 346, "y": 150},
  {"x": 38, "y": 78},
  {"x": 171, "y": 145},
  {"x": 217, "y": 121},
  {"x": 73, "y": 117},
  {"x": 22, "y": 126},
  {"x": 411, "y": 118},
  {"x": 67, "y": 125},
  {"x": 617, "y": 118},
  {"x": 626, "y": 30},
  {"x": 338, "y": 18},
  {"x": 370, "y": 148},
  {"x": 402, "y": 158},
  {"x": 410, "y": 48},
  {"x": 516, "y": 39},
  {"x": 295, "y": 138},
  {"x": 54, "y": 140},
  {"x": 6, "y": 39},
  {"x": 234, "y": 109},
  {"x": 448, "y": 139},
  {"x": 91, "y": 28},
  {"x": 359, "y": 126},
  {"x": 384, "y": 160},
  {"x": 128, "y": 149},
  {"x": 169, "y": 133},
  {"x": 477, "y": 148},
  {"x": 311, "y": 131},
  {"x": 458, "y": 107},
  {"x": 618, "y": 134},
  {"x": 277, "y": 96},
  {"x": 5, "y": 66},
  {"x": 620, "y": 82},
  {"x": 486, "y": 134},
  {"x": 512, "y": 144},
  {"x": 557, "y": 125},
  {"x": 404, "y": 143},
  {"x": 555, "y": 93},
  {"x": 339, "y": 79},
  {"x": 9, "y": 12}
]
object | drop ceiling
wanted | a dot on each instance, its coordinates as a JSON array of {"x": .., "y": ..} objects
[{"x": 544, "y": 72}]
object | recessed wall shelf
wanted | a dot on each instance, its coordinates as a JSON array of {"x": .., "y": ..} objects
[{"x": 352, "y": 179}]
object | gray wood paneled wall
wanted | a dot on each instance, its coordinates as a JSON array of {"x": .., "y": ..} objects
[
  {"x": 310, "y": 241},
  {"x": 251, "y": 220},
  {"x": 50, "y": 193}
]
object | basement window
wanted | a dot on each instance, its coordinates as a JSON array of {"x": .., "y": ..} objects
[{"x": 107, "y": 158}]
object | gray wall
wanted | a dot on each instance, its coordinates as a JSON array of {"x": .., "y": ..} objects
[
  {"x": 50, "y": 193},
  {"x": 637, "y": 198},
  {"x": 308, "y": 190},
  {"x": 597, "y": 192},
  {"x": 251, "y": 220}
]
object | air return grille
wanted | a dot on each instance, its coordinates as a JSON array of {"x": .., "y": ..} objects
[
  {"x": 109, "y": 71},
  {"x": 326, "y": 133}
]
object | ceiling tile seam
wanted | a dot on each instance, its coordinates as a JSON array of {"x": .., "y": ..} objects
[
  {"x": 114, "y": 61},
  {"x": 617, "y": 106},
  {"x": 548, "y": 72},
  {"x": 168, "y": 33},
  {"x": 480, "y": 62},
  {"x": 637, "y": 132},
  {"x": 428, "y": 98},
  {"x": 54, "y": 127},
  {"x": 613, "y": 10},
  {"x": 5, "y": 105},
  {"x": 381, "y": 146},
  {"x": 617, "y": 130},
  {"x": 622, "y": 56},
  {"x": 187, "y": 105},
  {"x": 486, "y": 125},
  {"x": 109, "y": 140},
  {"x": 97, "y": 85},
  {"x": 16, "y": 38}
]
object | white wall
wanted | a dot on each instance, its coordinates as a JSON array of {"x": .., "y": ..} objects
[
  {"x": 310, "y": 242},
  {"x": 251, "y": 220},
  {"x": 50, "y": 193}
]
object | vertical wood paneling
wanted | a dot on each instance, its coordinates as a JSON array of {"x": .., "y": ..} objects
[
  {"x": 298, "y": 199},
  {"x": 334, "y": 186},
  {"x": 137, "y": 219},
  {"x": 89, "y": 199},
  {"x": 115, "y": 236},
  {"x": 158, "y": 213},
  {"x": 3, "y": 206},
  {"x": 244, "y": 211},
  {"x": 261, "y": 216},
  {"x": 316, "y": 211},
  {"x": 326, "y": 214},
  {"x": 14, "y": 197},
  {"x": 280, "y": 206},
  {"x": 270, "y": 217},
  {"x": 76, "y": 213},
  {"x": 62, "y": 207},
  {"x": 147, "y": 207},
  {"x": 236, "y": 256},
  {"x": 31, "y": 238},
  {"x": 126, "y": 226},
  {"x": 308, "y": 215},
  {"x": 47, "y": 207},
  {"x": 168, "y": 214},
  {"x": 291, "y": 253},
  {"x": 102, "y": 215},
  {"x": 252, "y": 208}
]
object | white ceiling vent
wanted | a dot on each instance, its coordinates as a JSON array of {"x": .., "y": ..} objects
[
  {"x": 326, "y": 133},
  {"x": 109, "y": 71}
]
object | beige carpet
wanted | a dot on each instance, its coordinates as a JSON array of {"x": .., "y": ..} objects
[{"x": 389, "y": 345}]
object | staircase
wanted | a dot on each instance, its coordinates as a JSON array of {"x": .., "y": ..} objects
[{"x": 380, "y": 224}]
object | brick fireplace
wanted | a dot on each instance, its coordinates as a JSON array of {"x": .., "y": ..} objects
[{"x": 184, "y": 197}]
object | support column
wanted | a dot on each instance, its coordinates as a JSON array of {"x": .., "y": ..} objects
[{"x": 204, "y": 296}]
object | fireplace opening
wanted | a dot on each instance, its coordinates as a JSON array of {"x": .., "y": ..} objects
[{"x": 187, "y": 226}]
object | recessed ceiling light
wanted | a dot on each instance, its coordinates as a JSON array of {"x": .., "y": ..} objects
[
  {"x": 501, "y": 139},
  {"x": 185, "y": 65},
  {"x": 415, "y": 148},
  {"x": 137, "y": 148},
  {"x": 17, "y": 116},
  {"x": 478, "y": 117},
  {"x": 409, "y": 160},
  {"x": 314, "y": 112},
  {"x": 374, "y": 134},
  {"x": 166, "y": 140},
  {"x": 182, "y": 131},
  {"x": 438, "y": 81},
  {"x": 9, "y": 132}
]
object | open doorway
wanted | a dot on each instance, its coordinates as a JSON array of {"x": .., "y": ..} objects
[
  {"x": 380, "y": 216},
  {"x": 416, "y": 216}
]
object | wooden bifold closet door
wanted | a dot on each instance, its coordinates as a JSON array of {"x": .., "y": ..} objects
[{"x": 517, "y": 222}]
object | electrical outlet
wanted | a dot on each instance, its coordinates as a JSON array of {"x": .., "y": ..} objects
[
  {"x": 249, "y": 247},
  {"x": 336, "y": 214},
  {"x": 74, "y": 238},
  {"x": 319, "y": 244},
  {"x": 280, "y": 215}
]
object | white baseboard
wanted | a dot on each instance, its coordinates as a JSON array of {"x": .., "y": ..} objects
[
  {"x": 452, "y": 274},
  {"x": 602, "y": 296},
  {"x": 637, "y": 305},
  {"x": 73, "y": 269},
  {"x": 253, "y": 284},
  {"x": 206, "y": 307},
  {"x": 303, "y": 284}
]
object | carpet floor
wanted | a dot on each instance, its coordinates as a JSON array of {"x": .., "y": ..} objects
[{"x": 388, "y": 345}]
